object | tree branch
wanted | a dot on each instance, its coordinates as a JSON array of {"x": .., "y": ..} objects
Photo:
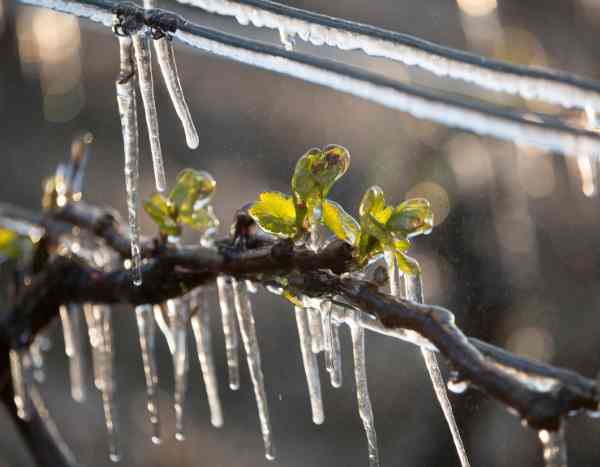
[{"x": 541, "y": 394}]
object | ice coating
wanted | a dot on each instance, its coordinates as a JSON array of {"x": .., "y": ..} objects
[
  {"x": 362, "y": 391},
  {"x": 316, "y": 329},
  {"x": 21, "y": 380},
  {"x": 201, "y": 327},
  {"x": 554, "y": 447},
  {"x": 336, "y": 352},
  {"x": 227, "y": 304},
  {"x": 178, "y": 312},
  {"x": 147, "y": 335},
  {"x": 127, "y": 103},
  {"x": 477, "y": 118},
  {"x": 245, "y": 318},
  {"x": 311, "y": 367},
  {"x": 146, "y": 83},
  {"x": 439, "y": 60},
  {"x": 168, "y": 67}
]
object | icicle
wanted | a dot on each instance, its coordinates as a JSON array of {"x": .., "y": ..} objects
[
  {"x": 126, "y": 100},
  {"x": 71, "y": 317},
  {"x": 146, "y": 83},
  {"x": 287, "y": 39},
  {"x": 168, "y": 67},
  {"x": 336, "y": 354},
  {"x": 178, "y": 319},
  {"x": 587, "y": 163},
  {"x": 201, "y": 327},
  {"x": 226, "y": 302},
  {"x": 36, "y": 353},
  {"x": 108, "y": 384},
  {"x": 316, "y": 329},
  {"x": 96, "y": 339},
  {"x": 147, "y": 331},
  {"x": 362, "y": 391},
  {"x": 21, "y": 379},
  {"x": 159, "y": 318},
  {"x": 248, "y": 330},
  {"x": 414, "y": 291},
  {"x": 311, "y": 368},
  {"x": 555, "y": 447}
]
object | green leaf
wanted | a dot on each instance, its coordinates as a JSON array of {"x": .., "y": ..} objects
[
  {"x": 412, "y": 217},
  {"x": 200, "y": 219},
  {"x": 275, "y": 213},
  {"x": 161, "y": 211},
  {"x": 407, "y": 264},
  {"x": 374, "y": 214},
  {"x": 10, "y": 246},
  {"x": 314, "y": 175},
  {"x": 342, "y": 224},
  {"x": 192, "y": 187}
]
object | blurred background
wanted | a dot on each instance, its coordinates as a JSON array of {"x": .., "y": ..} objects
[{"x": 515, "y": 253}]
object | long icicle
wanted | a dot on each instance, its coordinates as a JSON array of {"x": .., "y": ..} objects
[
  {"x": 146, "y": 83},
  {"x": 336, "y": 352},
  {"x": 555, "y": 447},
  {"x": 311, "y": 367},
  {"x": 108, "y": 383},
  {"x": 168, "y": 67},
  {"x": 178, "y": 319},
  {"x": 96, "y": 340},
  {"x": 414, "y": 291},
  {"x": 248, "y": 330},
  {"x": 20, "y": 375},
  {"x": 71, "y": 316},
  {"x": 362, "y": 391},
  {"x": 127, "y": 102},
  {"x": 227, "y": 304},
  {"x": 147, "y": 334},
  {"x": 202, "y": 333}
]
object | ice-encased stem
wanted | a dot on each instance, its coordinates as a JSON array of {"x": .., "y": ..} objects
[
  {"x": 20, "y": 373},
  {"x": 414, "y": 291},
  {"x": 203, "y": 335},
  {"x": 245, "y": 318},
  {"x": 311, "y": 367},
  {"x": 147, "y": 334},
  {"x": 146, "y": 84},
  {"x": 108, "y": 384},
  {"x": 227, "y": 304},
  {"x": 555, "y": 447},
  {"x": 168, "y": 67},
  {"x": 71, "y": 318},
  {"x": 587, "y": 162},
  {"x": 178, "y": 318},
  {"x": 127, "y": 103},
  {"x": 362, "y": 391},
  {"x": 331, "y": 344}
]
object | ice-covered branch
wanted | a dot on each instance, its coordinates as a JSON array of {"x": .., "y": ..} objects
[
  {"x": 550, "y": 86},
  {"x": 541, "y": 394},
  {"x": 474, "y": 116}
]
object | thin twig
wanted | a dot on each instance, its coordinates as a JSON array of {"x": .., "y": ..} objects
[{"x": 477, "y": 117}]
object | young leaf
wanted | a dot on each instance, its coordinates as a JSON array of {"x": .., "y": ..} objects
[
  {"x": 412, "y": 217},
  {"x": 200, "y": 219},
  {"x": 9, "y": 244},
  {"x": 192, "y": 188},
  {"x": 162, "y": 212},
  {"x": 342, "y": 224},
  {"x": 275, "y": 213},
  {"x": 407, "y": 264}
]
